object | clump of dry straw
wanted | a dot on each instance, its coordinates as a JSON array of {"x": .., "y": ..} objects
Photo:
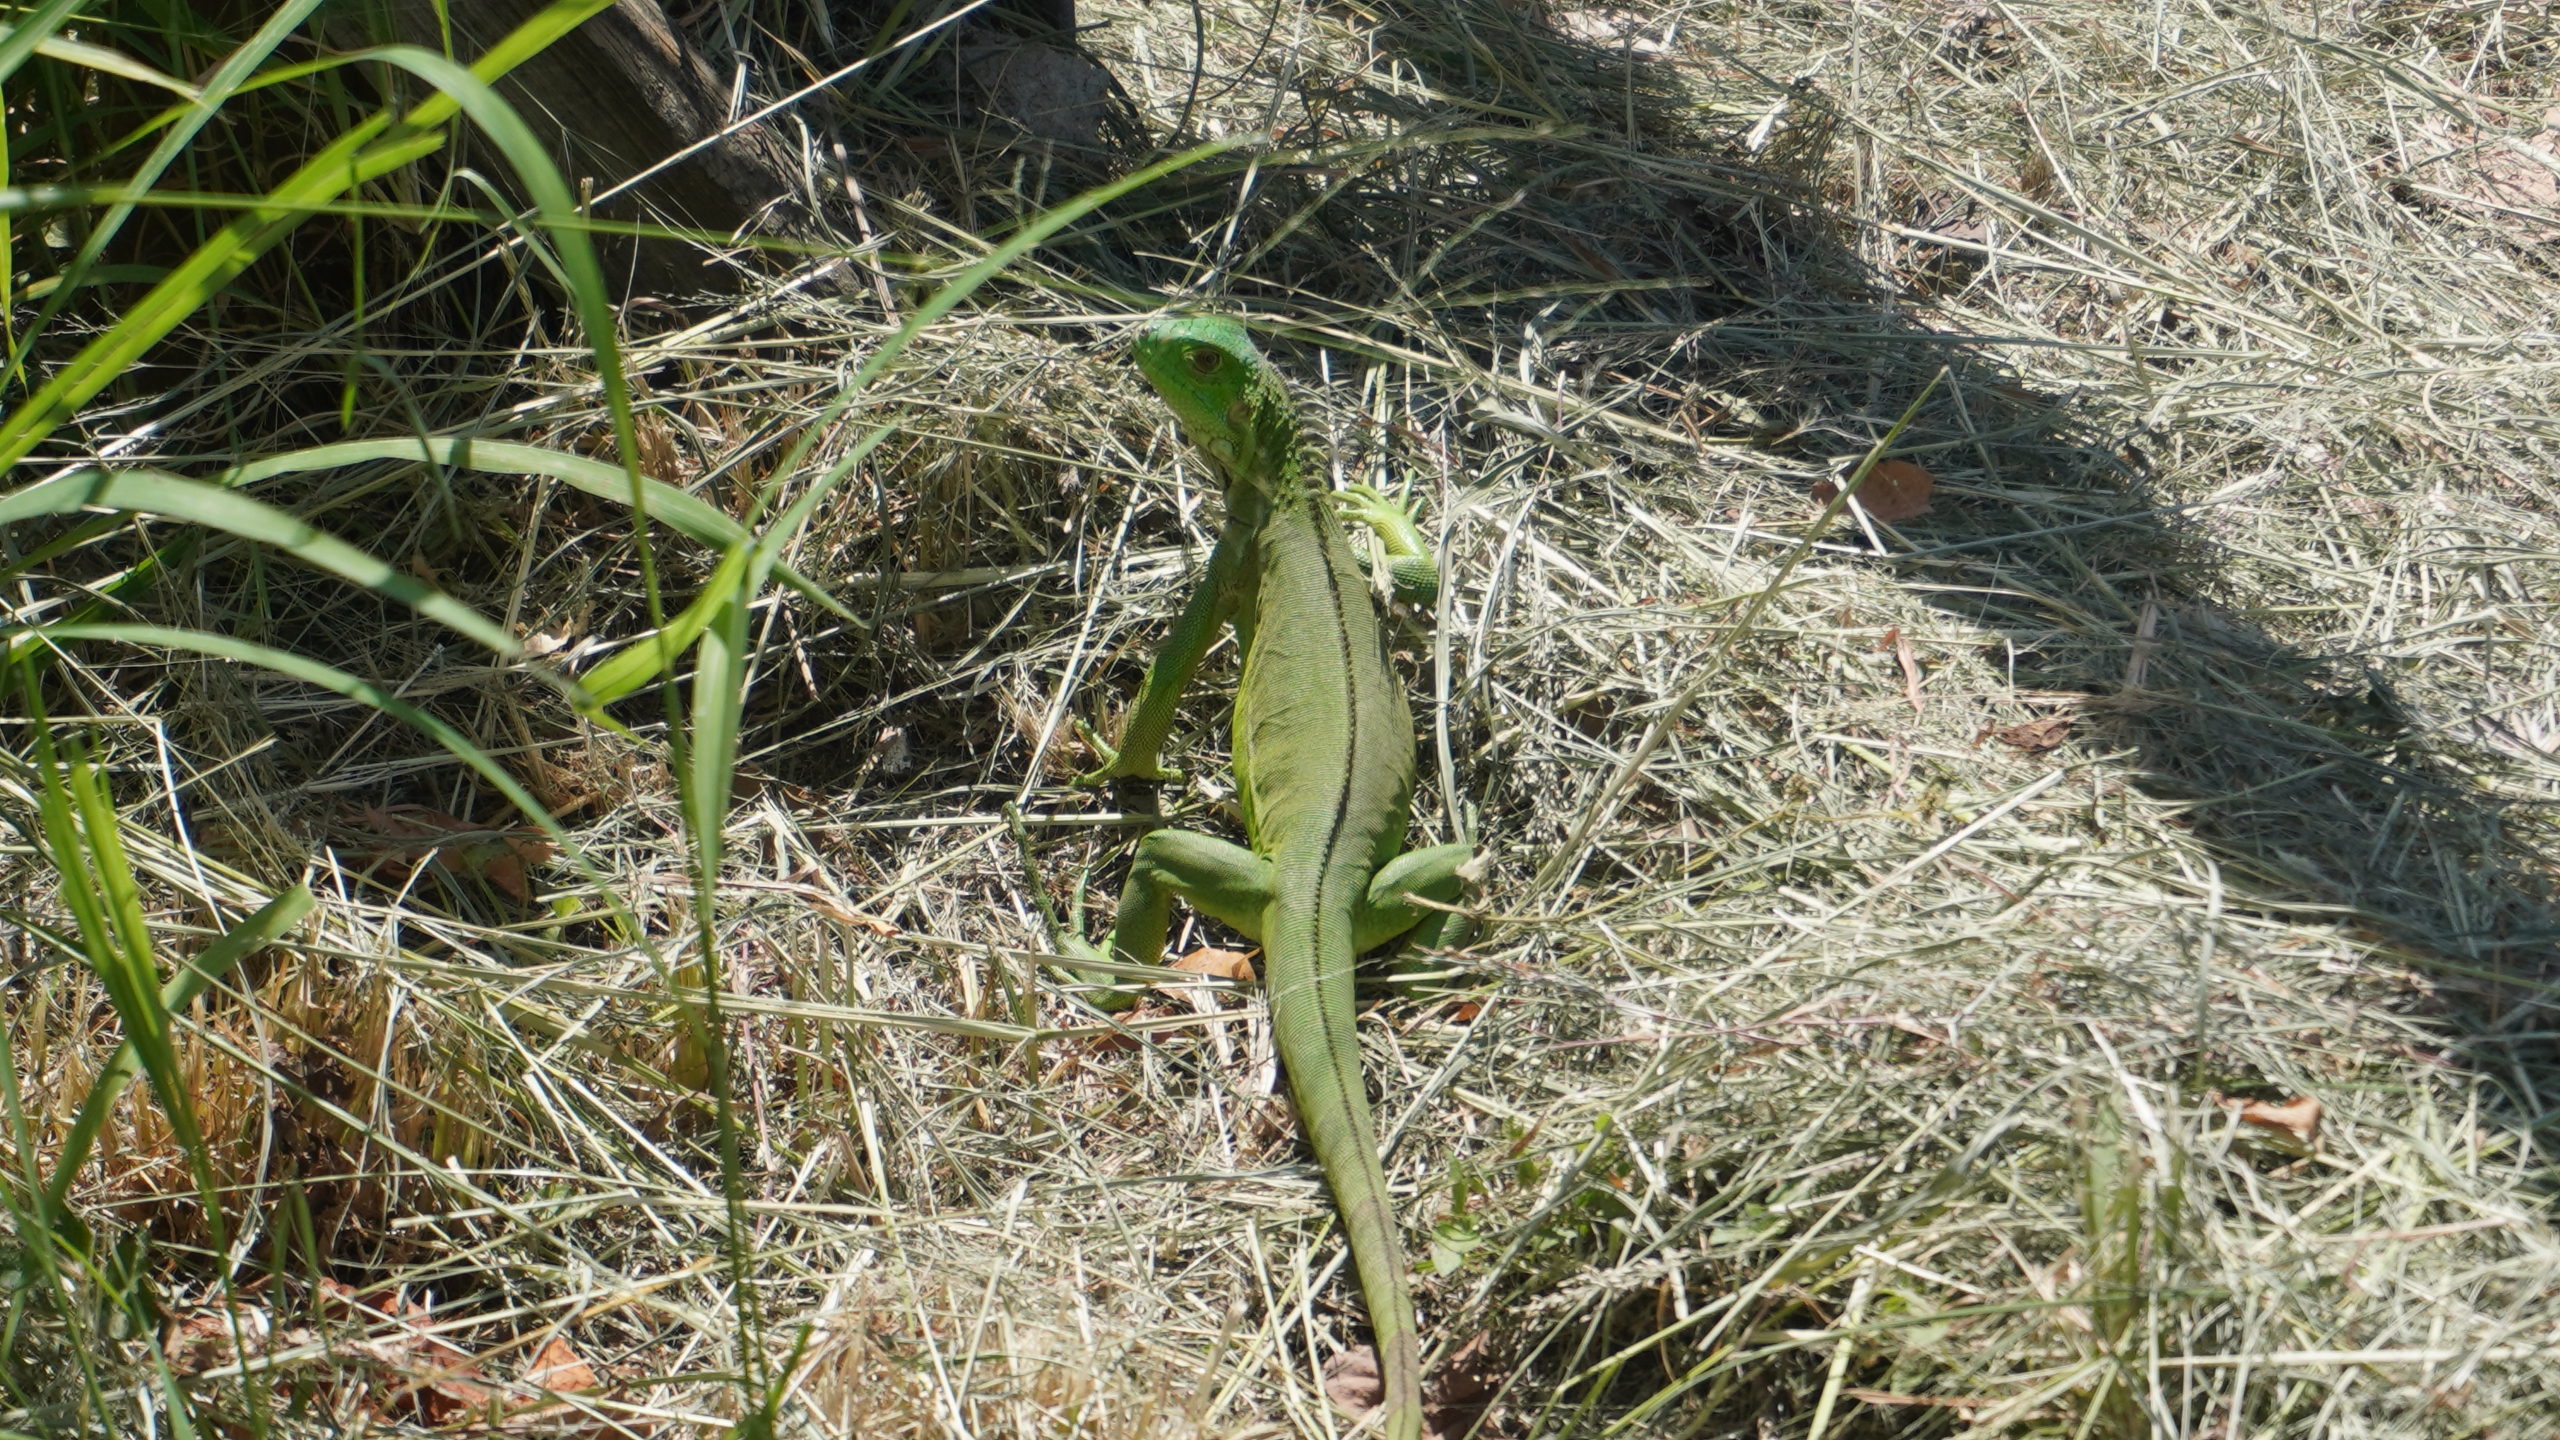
[{"x": 2075, "y": 961}]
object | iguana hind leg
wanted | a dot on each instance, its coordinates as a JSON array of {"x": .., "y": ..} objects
[
  {"x": 1223, "y": 881},
  {"x": 1232, "y": 885},
  {"x": 1435, "y": 873}
]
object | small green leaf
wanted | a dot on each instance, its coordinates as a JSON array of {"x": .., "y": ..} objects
[
  {"x": 111, "y": 62},
  {"x": 652, "y": 655}
]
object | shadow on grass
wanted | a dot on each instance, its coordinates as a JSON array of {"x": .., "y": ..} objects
[{"x": 1646, "y": 232}]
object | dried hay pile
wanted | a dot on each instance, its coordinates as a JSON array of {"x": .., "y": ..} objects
[{"x": 2073, "y": 960}]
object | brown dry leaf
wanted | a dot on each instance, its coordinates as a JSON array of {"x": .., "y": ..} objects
[
  {"x": 207, "y": 1339},
  {"x": 560, "y": 1369},
  {"x": 1112, "y": 1042},
  {"x": 1220, "y": 964},
  {"x": 1223, "y": 964},
  {"x": 446, "y": 1376},
  {"x": 1897, "y": 490},
  {"x": 1463, "y": 1388},
  {"x": 836, "y": 910},
  {"x": 2297, "y": 1118},
  {"x": 2037, "y": 736},
  {"x": 400, "y": 837},
  {"x": 1894, "y": 490},
  {"x": 1351, "y": 1381},
  {"x": 1454, "y": 1401},
  {"x": 428, "y": 1378}
]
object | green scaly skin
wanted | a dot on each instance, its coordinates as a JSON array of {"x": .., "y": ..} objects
[{"x": 1324, "y": 761}]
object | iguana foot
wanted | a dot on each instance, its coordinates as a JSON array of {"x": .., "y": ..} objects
[
  {"x": 1110, "y": 994},
  {"x": 1064, "y": 936},
  {"x": 1117, "y": 765},
  {"x": 1411, "y": 572}
]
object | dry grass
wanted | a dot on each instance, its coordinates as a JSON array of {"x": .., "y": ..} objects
[{"x": 1859, "y": 1072}]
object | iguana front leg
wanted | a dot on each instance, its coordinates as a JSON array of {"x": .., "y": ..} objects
[
  {"x": 1412, "y": 573},
  {"x": 1211, "y": 605}
]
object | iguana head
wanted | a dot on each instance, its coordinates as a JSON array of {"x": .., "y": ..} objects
[{"x": 1232, "y": 404}]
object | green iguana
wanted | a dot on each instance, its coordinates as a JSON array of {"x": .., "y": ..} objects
[{"x": 1324, "y": 765}]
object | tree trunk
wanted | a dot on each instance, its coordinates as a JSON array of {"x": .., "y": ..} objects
[{"x": 613, "y": 99}]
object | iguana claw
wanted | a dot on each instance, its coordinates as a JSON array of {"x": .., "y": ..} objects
[
  {"x": 1411, "y": 572},
  {"x": 1116, "y": 765},
  {"x": 1066, "y": 937}
]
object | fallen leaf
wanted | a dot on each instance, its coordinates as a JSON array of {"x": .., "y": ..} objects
[
  {"x": 206, "y": 1339},
  {"x": 431, "y": 1379},
  {"x": 560, "y": 1369},
  {"x": 401, "y": 837},
  {"x": 2037, "y": 736},
  {"x": 2297, "y": 1118},
  {"x": 1223, "y": 964},
  {"x": 1459, "y": 1393},
  {"x": 1894, "y": 490},
  {"x": 836, "y": 910},
  {"x": 1114, "y": 1041},
  {"x": 1351, "y": 1381}
]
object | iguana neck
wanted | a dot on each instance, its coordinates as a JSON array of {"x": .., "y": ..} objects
[{"x": 1270, "y": 476}]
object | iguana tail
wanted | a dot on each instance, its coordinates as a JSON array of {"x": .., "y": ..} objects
[{"x": 1308, "y": 949}]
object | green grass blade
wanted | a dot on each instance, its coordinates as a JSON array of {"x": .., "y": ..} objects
[
  {"x": 327, "y": 677},
  {"x": 113, "y": 62},
  {"x": 371, "y": 149},
  {"x": 690, "y": 514},
  {"x": 84, "y": 842},
  {"x": 995, "y": 262},
  {"x": 19, "y": 39},
  {"x": 468, "y": 91},
  {"x": 720, "y": 677},
  {"x": 653, "y": 654},
  {"x": 151, "y": 492},
  {"x": 236, "y": 69},
  {"x": 351, "y": 160}
]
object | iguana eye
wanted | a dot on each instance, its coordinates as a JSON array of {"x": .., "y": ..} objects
[{"x": 1204, "y": 361}]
